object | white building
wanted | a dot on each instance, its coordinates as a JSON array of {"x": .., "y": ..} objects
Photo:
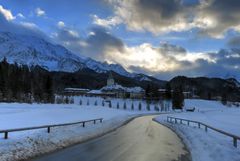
[{"x": 120, "y": 91}]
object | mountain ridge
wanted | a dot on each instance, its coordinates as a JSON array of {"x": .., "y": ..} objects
[{"x": 32, "y": 51}]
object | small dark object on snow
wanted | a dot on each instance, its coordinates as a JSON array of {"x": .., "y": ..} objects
[{"x": 190, "y": 109}]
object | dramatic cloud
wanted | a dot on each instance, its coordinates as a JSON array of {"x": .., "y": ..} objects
[
  {"x": 211, "y": 17},
  {"x": 61, "y": 24},
  {"x": 163, "y": 61},
  {"x": 6, "y": 13},
  {"x": 20, "y": 15},
  {"x": 108, "y": 23},
  {"x": 95, "y": 45},
  {"x": 39, "y": 12},
  {"x": 8, "y": 25}
]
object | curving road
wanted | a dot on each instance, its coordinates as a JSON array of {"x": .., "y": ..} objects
[{"x": 140, "y": 140}]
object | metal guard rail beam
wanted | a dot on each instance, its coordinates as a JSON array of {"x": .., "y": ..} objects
[
  {"x": 48, "y": 126},
  {"x": 235, "y": 137}
]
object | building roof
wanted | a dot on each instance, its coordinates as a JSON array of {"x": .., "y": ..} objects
[
  {"x": 117, "y": 87},
  {"x": 76, "y": 89}
]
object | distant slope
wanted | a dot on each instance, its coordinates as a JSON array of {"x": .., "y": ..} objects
[
  {"x": 32, "y": 51},
  {"x": 88, "y": 78},
  {"x": 203, "y": 86}
]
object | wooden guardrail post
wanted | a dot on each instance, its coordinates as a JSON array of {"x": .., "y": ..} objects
[
  {"x": 188, "y": 123},
  {"x": 101, "y": 120},
  {"x": 94, "y": 121},
  {"x": 235, "y": 142},
  {"x": 6, "y": 135},
  {"x": 199, "y": 125},
  {"x": 175, "y": 120},
  {"x": 206, "y": 128},
  {"x": 83, "y": 124}
]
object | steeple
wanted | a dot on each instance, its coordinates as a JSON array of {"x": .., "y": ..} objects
[{"x": 110, "y": 80}]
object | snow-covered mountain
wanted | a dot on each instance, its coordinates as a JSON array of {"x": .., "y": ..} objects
[{"x": 32, "y": 51}]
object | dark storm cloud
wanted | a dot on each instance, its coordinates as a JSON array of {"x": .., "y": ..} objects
[
  {"x": 227, "y": 64},
  {"x": 101, "y": 39},
  {"x": 211, "y": 17},
  {"x": 94, "y": 45},
  {"x": 234, "y": 42},
  {"x": 156, "y": 16},
  {"x": 172, "y": 49},
  {"x": 225, "y": 13},
  {"x": 163, "y": 8}
]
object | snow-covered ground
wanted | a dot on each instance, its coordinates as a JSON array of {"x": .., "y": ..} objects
[
  {"x": 203, "y": 146},
  {"x": 22, "y": 145},
  {"x": 210, "y": 146}
]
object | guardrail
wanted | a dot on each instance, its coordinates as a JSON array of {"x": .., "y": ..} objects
[
  {"x": 181, "y": 121},
  {"x": 49, "y": 126}
]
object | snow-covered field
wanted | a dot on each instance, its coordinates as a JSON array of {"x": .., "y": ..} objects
[
  {"x": 203, "y": 146},
  {"x": 22, "y": 145},
  {"x": 210, "y": 146}
]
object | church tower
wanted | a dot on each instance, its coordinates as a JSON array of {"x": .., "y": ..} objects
[{"x": 110, "y": 80}]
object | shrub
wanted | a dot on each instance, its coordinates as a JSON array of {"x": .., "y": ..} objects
[
  {"x": 148, "y": 106},
  {"x": 124, "y": 106},
  {"x": 140, "y": 106},
  {"x": 103, "y": 104},
  {"x": 95, "y": 103},
  {"x": 156, "y": 108},
  {"x": 118, "y": 105},
  {"x": 132, "y": 107},
  {"x": 71, "y": 100}
]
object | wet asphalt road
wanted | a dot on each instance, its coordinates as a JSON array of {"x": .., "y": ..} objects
[{"x": 140, "y": 140}]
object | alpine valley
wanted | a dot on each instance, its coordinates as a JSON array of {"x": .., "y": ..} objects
[{"x": 71, "y": 70}]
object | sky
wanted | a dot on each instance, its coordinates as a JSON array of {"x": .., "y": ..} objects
[{"x": 161, "y": 38}]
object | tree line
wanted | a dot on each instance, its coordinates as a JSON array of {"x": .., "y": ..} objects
[
  {"x": 19, "y": 83},
  {"x": 175, "y": 95}
]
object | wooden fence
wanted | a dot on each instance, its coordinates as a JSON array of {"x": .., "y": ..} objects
[
  {"x": 206, "y": 127},
  {"x": 48, "y": 127}
]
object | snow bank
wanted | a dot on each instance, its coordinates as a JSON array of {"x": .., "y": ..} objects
[
  {"x": 22, "y": 145},
  {"x": 210, "y": 146}
]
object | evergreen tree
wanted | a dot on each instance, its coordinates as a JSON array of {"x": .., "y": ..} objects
[
  {"x": 67, "y": 100},
  {"x": 147, "y": 91},
  {"x": 168, "y": 91},
  {"x": 140, "y": 106},
  {"x": 110, "y": 104},
  {"x": 156, "y": 108},
  {"x": 209, "y": 96},
  {"x": 148, "y": 106},
  {"x": 178, "y": 98},
  {"x": 224, "y": 99},
  {"x": 124, "y": 106},
  {"x": 49, "y": 90},
  {"x": 117, "y": 105},
  {"x": 103, "y": 104},
  {"x": 71, "y": 100}
]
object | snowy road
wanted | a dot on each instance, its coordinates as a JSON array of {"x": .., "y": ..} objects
[{"x": 141, "y": 140}]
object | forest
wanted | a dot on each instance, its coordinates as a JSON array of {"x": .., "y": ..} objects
[{"x": 19, "y": 83}]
